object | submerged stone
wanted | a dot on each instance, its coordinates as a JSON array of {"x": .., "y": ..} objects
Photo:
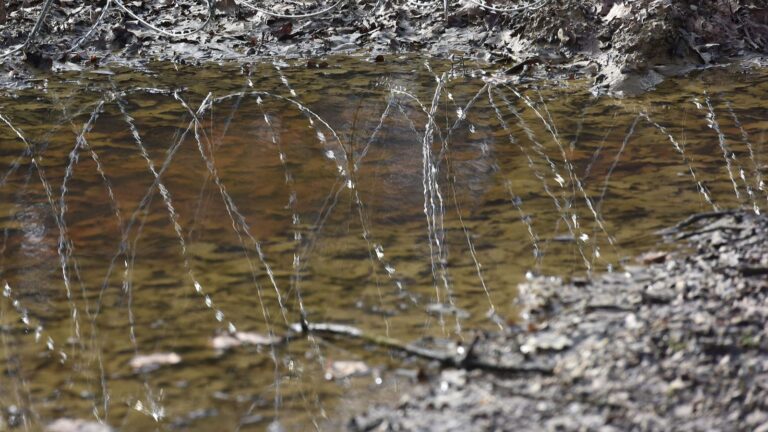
[
  {"x": 150, "y": 362},
  {"x": 77, "y": 425}
]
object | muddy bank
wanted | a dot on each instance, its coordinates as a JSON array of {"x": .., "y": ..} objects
[
  {"x": 626, "y": 46},
  {"x": 678, "y": 344}
]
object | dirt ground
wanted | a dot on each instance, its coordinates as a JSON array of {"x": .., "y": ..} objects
[{"x": 626, "y": 46}]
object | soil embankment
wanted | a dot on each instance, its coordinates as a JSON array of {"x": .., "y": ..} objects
[
  {"x": 626, "y": 46},
  {"x": 678, "y": 344}
]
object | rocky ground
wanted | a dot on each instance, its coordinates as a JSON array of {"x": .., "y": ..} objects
[
  {"x": 626, "y": 46},
  {"x": 678, "y": 344}
]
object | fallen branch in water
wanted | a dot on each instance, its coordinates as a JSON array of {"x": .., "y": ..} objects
[{"x": 463, "y": 358}]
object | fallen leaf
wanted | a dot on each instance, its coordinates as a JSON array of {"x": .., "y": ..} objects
[{"x": 283, "y": 32}]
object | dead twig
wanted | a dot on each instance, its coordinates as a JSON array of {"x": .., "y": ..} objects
[{"x": 465, "y": 358}]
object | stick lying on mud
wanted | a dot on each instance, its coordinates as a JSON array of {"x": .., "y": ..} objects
[{"x": 463, "y": 358}]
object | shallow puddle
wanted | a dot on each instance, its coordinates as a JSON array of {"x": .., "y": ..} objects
[{"x": 162, "y": 209}]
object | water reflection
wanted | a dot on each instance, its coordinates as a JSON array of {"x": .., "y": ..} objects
[{"x": 405, "y": 199}]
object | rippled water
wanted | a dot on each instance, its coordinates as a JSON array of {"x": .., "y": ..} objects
[{"x": 148, "y": 212}]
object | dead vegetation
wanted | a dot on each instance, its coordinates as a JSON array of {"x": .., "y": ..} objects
[{"x": 609, "y": 39}]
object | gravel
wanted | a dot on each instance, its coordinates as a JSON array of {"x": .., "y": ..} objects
[{"x": 680, "y": 344}]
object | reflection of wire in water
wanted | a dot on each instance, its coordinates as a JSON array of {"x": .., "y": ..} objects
[{"x": 535, "y": 199}]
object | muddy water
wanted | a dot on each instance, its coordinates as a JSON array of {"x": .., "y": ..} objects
[{"x": 139, "y": 229}]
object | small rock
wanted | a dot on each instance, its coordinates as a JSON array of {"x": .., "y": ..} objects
[
  {"x": 684, "y": 411},
  {"x": 653, "y": 257},
  {"x": 757, "y": 417},
  {"x": 77, "y": 425},
  {"x": 548, "y": 341},
  {"x": 676, "y": 385},
  {"x": 257, "y": 339},
  {"x": 229, "y": 341},
  {"x": 631, "y": 322},
  {"x": 150, "y": 362},
  {"x": 454, "y": 378},
  {"x": 446, "y": 309},
  {"x": 224, "y": 342},
  {"x": 336, "y": 370}
]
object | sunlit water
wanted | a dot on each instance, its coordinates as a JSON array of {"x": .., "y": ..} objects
[{"x": 149, "y": 212}]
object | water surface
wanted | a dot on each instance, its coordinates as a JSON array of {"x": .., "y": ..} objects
[{"x": 148, "y": 212}]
